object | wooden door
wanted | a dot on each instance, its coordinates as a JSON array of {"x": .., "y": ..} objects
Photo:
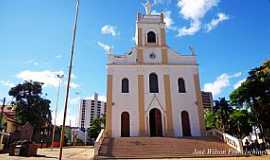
[
  {"x": 185, "y": 124},
  {"x": 155, "y": 123},
  {"x": 125, "y": 126}
]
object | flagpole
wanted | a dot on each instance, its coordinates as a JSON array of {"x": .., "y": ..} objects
[{"x": 69, "y": 79}]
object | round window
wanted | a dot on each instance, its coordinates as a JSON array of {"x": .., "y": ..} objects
[{"x": 152, "y": 56}]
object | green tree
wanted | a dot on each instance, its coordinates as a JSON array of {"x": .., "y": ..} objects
[
  {"x": 254, "y": 94},
  {"x": 223, "y": 110},
  {"x": 95, "y": 127},
  {"x": 210, "y": 119},
  {"x": 31, "y": 107},
  {"x": 240, "y": 123}
]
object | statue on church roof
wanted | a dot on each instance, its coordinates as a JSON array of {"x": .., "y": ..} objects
[
  {"x": 192, "y": 51},
  {"x": 109, "y": 51},
  {"x": 148, "y": 7}
]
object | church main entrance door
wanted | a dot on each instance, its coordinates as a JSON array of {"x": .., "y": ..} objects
[
  {"x": 155, "y": 123},
  {"x": 125, "y": 124}
]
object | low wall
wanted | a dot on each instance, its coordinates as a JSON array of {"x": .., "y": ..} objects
[
  {"x": 98, "y": 142},
  {"x": 228, "y": 139}
]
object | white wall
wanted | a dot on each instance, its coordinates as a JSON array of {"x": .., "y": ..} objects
[
  {"x": 124, "y": 102},
  {"x": 129, "y": 101},
  {"x": 178, "y": 66}
]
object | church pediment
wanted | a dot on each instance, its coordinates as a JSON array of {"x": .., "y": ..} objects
[{"x": 155, "y": 102}]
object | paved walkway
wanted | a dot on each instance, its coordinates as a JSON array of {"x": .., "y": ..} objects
[
  {"x": 69, "y": 153},
  {"x": 231, "y": 158},
  {"x": 86, "y": 153}
]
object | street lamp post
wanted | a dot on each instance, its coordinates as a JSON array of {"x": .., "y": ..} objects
[
  {"x": 59, "y": 76},
  {"x": 69, "y": 79},
  {"x": 85, "y": 128}
]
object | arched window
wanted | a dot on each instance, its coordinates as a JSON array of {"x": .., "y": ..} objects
[
  {"x": 151, "y": 37},
  {"x": 153, "y": 83},
  {"x": 125, "y": 85},
  {"x": 181, "y": 85}
]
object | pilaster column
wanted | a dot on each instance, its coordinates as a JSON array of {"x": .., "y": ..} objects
[
  {"x": 168, "y": 105},
  {"x": 142, "y": 131},
  {"x": 108, "y": 127},
  {"x": 164, "y": 54},
  {"x": 140, "y": 55},
  {"x": 199, "y": 103}
]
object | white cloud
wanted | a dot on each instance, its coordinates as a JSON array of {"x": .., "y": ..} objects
[
  {"x": 102, "y": 98},
  {"x": 72, "y": 112},
  {"x": 162, "y": 1},
  {"x": 106, "y": 47},
  {"x": 216, "y": 21},
  {"x": 49, "y": 78},
  {"x": 194, "y": 11},
  {"x": 238, "y": 74},
  {"x": 109, "y": 29},
  {"x": 70, "y": 118},
  {"x": 195, "y": 26},
  {"x": 238, "y": 84},
  {"x": 75, "y": 100},
  {"x": 74, "y": 85},
  {"x": 7, "y": 83},
  {"x": 167, "y": 18},
  {"x": 220, "y": 83}
]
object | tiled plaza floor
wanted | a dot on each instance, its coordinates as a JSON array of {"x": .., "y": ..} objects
[
  {"x": 231, "y": 158},
  {"x": 86, "y": 153},
  {"x": 70, "y": 153}
]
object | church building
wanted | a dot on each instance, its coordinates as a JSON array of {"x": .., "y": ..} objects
[{"x": 153, "y": 90}]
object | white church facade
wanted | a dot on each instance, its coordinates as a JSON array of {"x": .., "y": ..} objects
[{"x": 153, "y": 90}]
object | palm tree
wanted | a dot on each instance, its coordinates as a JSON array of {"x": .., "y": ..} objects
[{"x": 223, "y": 110}]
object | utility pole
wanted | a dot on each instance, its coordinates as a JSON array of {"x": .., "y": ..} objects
[
  {"x": 69, "y": 78},
  {"x": 60, "y": 76}
]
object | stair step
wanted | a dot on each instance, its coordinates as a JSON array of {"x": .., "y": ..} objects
[{"x": 160, "y": 147}]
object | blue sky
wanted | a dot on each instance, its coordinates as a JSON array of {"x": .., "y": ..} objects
[{"x": 230, "y": 38}]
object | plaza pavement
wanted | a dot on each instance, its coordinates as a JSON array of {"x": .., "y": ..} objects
[
  {"x": 69, "y": 153},
  {"x": 86, "y": 153}
]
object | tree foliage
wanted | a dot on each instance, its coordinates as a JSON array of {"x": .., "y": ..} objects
[
  {"x": 95, "y": 127},
  {"x": 30, "y": 106},
  {"x": 223, "y": 110},
  {"x": 231, "y": 120},
  {"x": 210, "y": 119},
  {"x": 240, "y": 123},
  {"x": 254, "y": 94}
]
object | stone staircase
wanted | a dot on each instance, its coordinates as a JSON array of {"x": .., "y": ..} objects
[{"x": 163, "y": 147}]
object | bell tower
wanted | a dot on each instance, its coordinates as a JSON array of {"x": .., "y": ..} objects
[
  {"x": 150, "y": 37},
  {"x": 150, "y": 28}
]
